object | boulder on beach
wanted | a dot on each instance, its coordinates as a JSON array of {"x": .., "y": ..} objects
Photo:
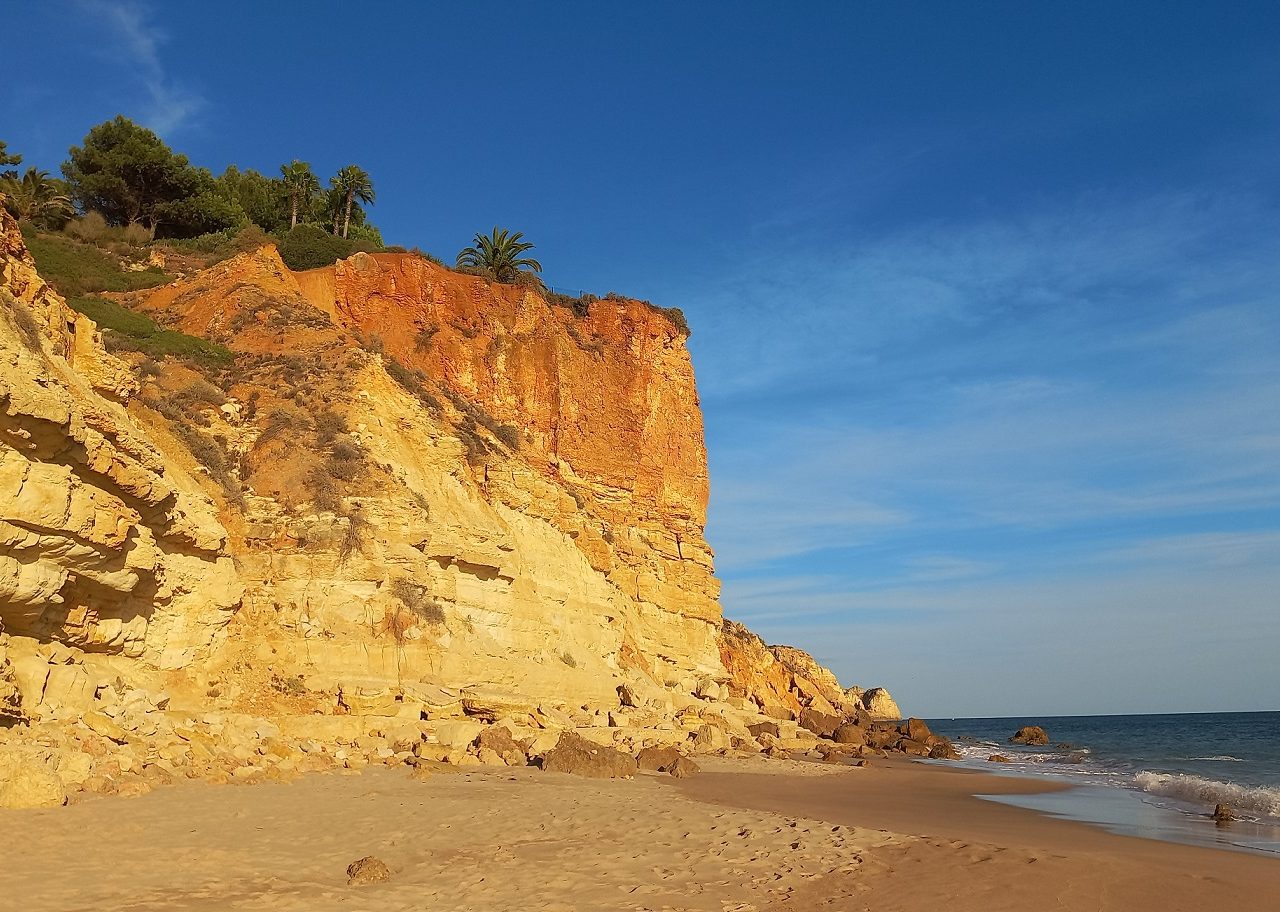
[
  {"x": 849, "y": 734},
  {"x": 28, "y": 782},
  {"x": 763, "y": 728},
  {"x": 657, "y": 759},
  {"x": 1223, "y": 814},
  {"x": 1030, "y": 734},
  {"x": 574, "y": 754},
  {"x": 683, "y": 768},
  {"x": 821, "y": 724}
]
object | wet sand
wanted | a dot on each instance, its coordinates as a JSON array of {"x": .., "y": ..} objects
[
  {"x": 743, "y": 835},
  {"x": 971, "y": 854}
]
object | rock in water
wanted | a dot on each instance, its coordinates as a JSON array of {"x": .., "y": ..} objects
[
  {"x": 917, "y": 730},
  {"x": 367, "y": 870},
  {"x": 1030, "y": 734},
  {"x": 998, "y": 758},
  {"x": 941, "y": 748},
  {"x": 1223, "y": 814}
]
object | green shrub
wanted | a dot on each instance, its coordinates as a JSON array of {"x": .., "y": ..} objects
[
  {"x": 366, "y": 233},
  {"x": 125, "y": 330},
  {"x": 581, "y": 305},
  {"x": 353, "y": 539},
  {"x": 222, "y": 245},
  {"x": 422, "y": 340},
  {"x": 74, "y": 268},
  {"x": 509, "y": 435},
  {"x": 135, "y": 235},
  {"x": 91, "y": 227},
  {"x": 310, "y": 247},
  {"x": 413, "y": 382},
  {"x": 430, "y": 258},
  {"x": 414, "y": 597}
]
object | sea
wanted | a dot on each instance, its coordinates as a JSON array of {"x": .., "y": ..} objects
[{"x": 1155, "y": 776}]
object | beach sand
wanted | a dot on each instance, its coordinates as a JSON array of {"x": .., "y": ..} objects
[{"x": 743, "y": 835}]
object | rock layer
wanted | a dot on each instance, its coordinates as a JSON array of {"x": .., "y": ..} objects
[{"x": 104, "y": 545}]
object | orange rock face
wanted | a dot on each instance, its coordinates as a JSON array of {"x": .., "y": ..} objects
[{"x": 609, "y": 398}]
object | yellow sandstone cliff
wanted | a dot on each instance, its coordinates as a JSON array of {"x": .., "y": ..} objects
[{"x": 414, "y": 495}]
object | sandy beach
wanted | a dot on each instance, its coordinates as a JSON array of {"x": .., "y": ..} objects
[{"x": 743, "y": 835}]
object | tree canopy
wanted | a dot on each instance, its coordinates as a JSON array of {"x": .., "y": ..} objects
[
  {"x": 127, "y": 173},
  {"x": 7, "y": 159},
  {"x": 37, "y": 198},
  {"x": 301, "y": 185},
  {"x": 353, "y": 183},
  {"x": 499, "y": 255}
]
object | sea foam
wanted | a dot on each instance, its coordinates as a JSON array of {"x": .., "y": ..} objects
[
  {"x": 1255, "y": 799},
  {"x": 1223, "y": 758}
]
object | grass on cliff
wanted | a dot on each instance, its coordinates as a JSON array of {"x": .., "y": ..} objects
[
  {"x": 75, "y": 268},
  {"x": 123, "y": 329}
]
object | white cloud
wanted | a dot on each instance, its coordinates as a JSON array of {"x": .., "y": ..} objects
[{"x": 137, "y": 43}]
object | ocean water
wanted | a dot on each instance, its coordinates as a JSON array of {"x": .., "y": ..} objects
[{"x": 1157, "y": 776}]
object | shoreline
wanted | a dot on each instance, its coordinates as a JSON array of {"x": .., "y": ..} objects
[
  {"x": 744, "y": 834},
  {"x": 968, "y": 843}
]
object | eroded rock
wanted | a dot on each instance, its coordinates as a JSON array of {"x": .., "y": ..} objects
[{"x": 1032, "y": 735}]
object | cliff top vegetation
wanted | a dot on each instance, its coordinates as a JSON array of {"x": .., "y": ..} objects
[{"x": 125, "y": 193}]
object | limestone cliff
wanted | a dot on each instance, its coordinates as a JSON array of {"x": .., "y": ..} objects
[
  {"x": 413, "y": 494},
  {"x": 532, "y": 482},
  {"x": 103, "y": 545}
]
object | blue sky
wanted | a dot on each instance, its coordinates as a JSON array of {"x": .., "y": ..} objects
[{"x": 984, "y": 296}]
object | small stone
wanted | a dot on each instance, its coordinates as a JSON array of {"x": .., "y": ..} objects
[
  {"x": 103, "y": 725},
  {"x": 998, "y": 758},
  {"x": 367, "y": 870},
  {"x": 1223, "y": 814}
]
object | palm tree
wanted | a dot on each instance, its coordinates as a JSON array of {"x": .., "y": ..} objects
[
  {"x": 301, "y": 184},
  {"x": 354, "y": 183},
  {"x": 499, "y": 255},
  {"x": 37, "y": 197}
]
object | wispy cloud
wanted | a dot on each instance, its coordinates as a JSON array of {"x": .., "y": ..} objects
[
  {"x": 982, "y": 437},
  {"x": 136, "y": 46}
]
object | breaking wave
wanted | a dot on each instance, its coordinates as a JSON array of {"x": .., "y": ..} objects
[
  {"x": 1223, "y": 758},
  {"x": 1255, "y": 799}
]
